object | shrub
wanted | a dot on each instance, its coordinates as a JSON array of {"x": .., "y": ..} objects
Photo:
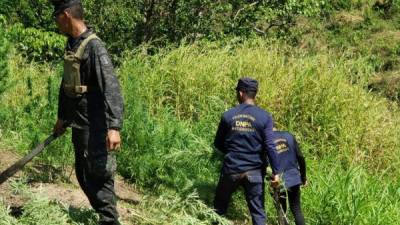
[
  {"x": 37, "y": 44},
  {"x": 31, "y": 13}
]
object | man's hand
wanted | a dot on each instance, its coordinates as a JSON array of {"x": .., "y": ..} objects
[
  {"x": 113, "y": 140},
  {"x": 59, "y": 128},
  {"x": 304, "y": 183},
  {"x": 275, "y": 181}
]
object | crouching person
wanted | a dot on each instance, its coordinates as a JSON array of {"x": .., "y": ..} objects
[{"x": 293, "y": 167}]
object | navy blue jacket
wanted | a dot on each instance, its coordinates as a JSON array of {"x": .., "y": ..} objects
[
  {"x": 245, "y": 136},
  {"x": 291, "y": 159}
]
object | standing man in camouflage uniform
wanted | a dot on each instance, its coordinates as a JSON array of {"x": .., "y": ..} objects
[{"x": 90, "y": 102}]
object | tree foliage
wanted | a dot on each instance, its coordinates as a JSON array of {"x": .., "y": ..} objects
[
  {"x": 127, "y": 24},
  {"x": 36, "y": 44}
]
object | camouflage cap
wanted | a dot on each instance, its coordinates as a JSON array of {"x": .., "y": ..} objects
[
  {"x": 247, "y": 84},
  {"x": 61, "y": 5}
]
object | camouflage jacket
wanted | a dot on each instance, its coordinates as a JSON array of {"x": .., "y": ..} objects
[{"x": 102, "y": 107}]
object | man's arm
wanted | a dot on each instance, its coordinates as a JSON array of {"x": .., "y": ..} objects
[
  {"x": 110, "y": 87},
  {"x": 270, "y": 147},
  {"x": 220, "y": 136},
  {"x": 301, "y": 161}
]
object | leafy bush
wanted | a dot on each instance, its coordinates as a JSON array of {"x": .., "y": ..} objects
[
  {"x": 37, "y": 44},
  {"x": 31, "y": 13}
]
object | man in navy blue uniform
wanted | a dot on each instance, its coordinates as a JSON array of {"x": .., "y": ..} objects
[
  {"x": 293, "y": 166},
  {"x": 245, "y": 137}
]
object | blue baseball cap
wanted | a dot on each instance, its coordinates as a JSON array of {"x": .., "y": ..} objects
[
  {"x": 61, "y": 5},
  {"x": 247, "y": 84}
]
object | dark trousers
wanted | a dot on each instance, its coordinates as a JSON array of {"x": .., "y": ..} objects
[
  {"x": 95, "y": 173},
  {"x": 294, "y": 203},
  {"x": 253, "y": 184}
]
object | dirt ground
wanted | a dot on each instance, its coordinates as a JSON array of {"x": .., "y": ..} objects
[{"x": 67, "y": 193}]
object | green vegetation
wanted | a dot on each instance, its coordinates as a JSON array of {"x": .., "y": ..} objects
[
  {"x": 37, "y": 45},
  {"x": 4, "y": 53},
  {"x": 128, "y": 24},
  {"x": 176, "y": 98},
  {"x": 39, "y": 210},
  {"x": 339, "y": 124},
  {"x": 365, "y": 28},
  {"x": 316, "y": 70}
]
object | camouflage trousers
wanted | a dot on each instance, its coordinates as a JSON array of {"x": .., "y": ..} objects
[{"x": 95, "y": 169}]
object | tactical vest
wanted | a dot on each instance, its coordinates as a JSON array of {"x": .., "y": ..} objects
[{"x": 72, "y": 84}]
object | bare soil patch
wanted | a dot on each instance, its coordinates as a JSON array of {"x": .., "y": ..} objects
[{"x": 66, "y": 193}]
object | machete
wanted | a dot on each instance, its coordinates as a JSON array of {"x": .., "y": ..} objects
[
  {"x": 10, "y": 171},
  {"x": 282, "y": 219}
]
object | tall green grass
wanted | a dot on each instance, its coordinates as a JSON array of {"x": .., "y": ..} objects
[
  {"x": 352, "y": 196},
  {"x": 176, "y": 99},
  {"x": 173, "y": 103},
  {"x": 308, "y": 94},
  {"x": 29, "y": 108}
]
